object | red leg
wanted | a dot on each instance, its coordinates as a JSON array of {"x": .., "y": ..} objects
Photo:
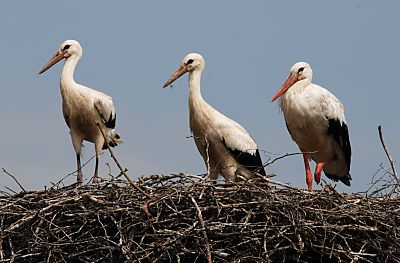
[
  {"x": 318, "y": 171},
  {"x": 308, "y": 171}
]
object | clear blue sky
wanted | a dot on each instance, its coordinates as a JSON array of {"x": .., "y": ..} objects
[{"x": 131, "y": 47}]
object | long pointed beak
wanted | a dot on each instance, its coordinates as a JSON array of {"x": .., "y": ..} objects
[
  {"x": 54, "y": 59},
  {"x": 179, "y": 72},
  {"x": 285, "y": 86}
]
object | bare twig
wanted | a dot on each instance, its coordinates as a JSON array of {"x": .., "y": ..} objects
[
  {"x": 131, "y": 182},
  {"x": 15, "y": 179},
  {"x": 284, "y": 156},
  {"x": 68, "y": 175},
  {"x": 203, "y": 231},
  {"x": 388, "y": 154}
]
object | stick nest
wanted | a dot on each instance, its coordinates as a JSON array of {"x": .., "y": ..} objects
[{"x": 190, "y": 220}]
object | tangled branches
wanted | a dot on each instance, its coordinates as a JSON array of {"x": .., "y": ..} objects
[{"x": 189, "y": 220}]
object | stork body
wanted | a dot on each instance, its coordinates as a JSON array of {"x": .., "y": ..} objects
[
  {"x": 226, "y": 147},
  {"x": 84, "y": 108},
  {"x": 315, "y": 119}
]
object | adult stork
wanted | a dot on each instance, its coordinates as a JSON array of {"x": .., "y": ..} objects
[
  {"x": 84, "y": 108},
  {"x": 226, "y": 147},
  {"x": 315, "y": 120}
]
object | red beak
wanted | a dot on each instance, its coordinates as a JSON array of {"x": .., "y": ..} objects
[{"x": 285, "y": 86}]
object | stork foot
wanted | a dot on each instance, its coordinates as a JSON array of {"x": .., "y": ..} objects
[
  {"x": 96, "y": 180},
  {"x": 318, "y": 171}
]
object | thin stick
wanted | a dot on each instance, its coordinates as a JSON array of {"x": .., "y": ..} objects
[
  {"x": 15, "y": 179},
  {"x": 120, "y": 167},
  {"x": 65, "y": 177},
  {"x": 283, "y": 156},
  {"x": 388, "y": 154},
  {"x": 203, "y": 231}
]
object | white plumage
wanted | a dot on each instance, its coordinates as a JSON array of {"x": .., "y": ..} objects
[
  {"x": 315, "y": 120},
  {"x": 82, "y": 105},
  {"x": 226, "y": 147}
]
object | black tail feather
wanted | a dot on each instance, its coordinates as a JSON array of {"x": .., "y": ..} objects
[{"x": 345, "y": 179}]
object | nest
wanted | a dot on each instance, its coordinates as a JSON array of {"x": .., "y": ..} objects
[{"x": 183, "y": 218}]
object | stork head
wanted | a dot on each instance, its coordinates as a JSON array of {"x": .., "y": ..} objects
[
  {"x": 301, "y": 71},
  {"x": 67, "y": 49},
  {"x": 191, "y": 62}
]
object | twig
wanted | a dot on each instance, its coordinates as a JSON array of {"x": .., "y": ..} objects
[
  {"x": 15, "y": 179},
  {"x": 283, "y": 156},
  {"x": 66, "y": 176},
  {"x": 203, "y": 231},
  {"x": 131, "y": 182},
  {"x": 388, "y": 154}
]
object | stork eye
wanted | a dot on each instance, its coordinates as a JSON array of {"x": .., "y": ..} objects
[
  {"x": 66, "y": 47},
  {"x": 190, "y": 61},
  {"x": 300, "y": 70}
]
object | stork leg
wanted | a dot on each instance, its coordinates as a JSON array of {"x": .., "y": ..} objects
[
  {"x": 308, "y": 171},
  {"x": 80, "y": 175},
  {"x": 96, "y": 178},
  {"x": 318, "y": 171}
]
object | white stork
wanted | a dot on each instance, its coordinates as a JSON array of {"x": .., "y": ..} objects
[
  {"x": 82, "y": 106},
  {"x": 226, "y": 147},
  {"x": 315, "y": 120}
]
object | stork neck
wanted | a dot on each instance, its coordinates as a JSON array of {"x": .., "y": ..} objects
[
  {"x": 67, "y": 75},
  {"x": 194, "y": 87}
]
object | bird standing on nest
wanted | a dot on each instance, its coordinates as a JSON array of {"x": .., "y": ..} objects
[
  {"x": 226, "y": 147},
  {"x": 84, "y": 108},
  {"x": 315, "y": 120}
]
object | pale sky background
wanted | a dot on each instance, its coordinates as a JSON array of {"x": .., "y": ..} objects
[{"x": 130, "y": 48}]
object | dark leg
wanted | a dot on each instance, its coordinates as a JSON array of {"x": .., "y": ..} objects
[
  {"x": 80, "y": 175},
  {"x": 96, "y": 171}
]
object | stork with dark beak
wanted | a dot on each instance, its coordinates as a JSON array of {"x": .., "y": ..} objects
[
  {"x": 226, "y": 147},
  {"x": 84, "y": 108}
]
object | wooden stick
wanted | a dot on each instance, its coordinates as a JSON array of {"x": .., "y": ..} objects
[
  {"x": 203, "y": 231},
  {"x": 131, "y": 182},
  {"x": 388, "y": 154},
  {"x": 15, "y": 179}
]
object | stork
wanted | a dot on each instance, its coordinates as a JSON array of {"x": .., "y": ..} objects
[
  {"x": 84, "y": 108},
  {"x": 226, "y": 147},
  {"x": 315, "y": 119}
]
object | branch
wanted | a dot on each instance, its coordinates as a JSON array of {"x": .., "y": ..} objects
[
  {"x": 15, "y": 179},
  {"x": 283, "y": 156},
  {"x": 203, "y": 231},
  {"x": 388, "y": 154},
  {"x": 131, "y": 182}
]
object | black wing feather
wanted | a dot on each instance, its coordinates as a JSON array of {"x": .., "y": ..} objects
[
  {"x": 340, "y": 133},
  {"x": 110, "y": 123},
  {"x": 251, "y": 162}
]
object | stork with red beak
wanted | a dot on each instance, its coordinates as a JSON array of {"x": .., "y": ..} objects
[{"x": 315, "y": 119}]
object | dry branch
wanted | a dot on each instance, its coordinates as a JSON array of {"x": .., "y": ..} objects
[
  {"x": 123, "y": 171},
  {"x": 388, "y": 154},
  {"x": 14, "y": 178}
]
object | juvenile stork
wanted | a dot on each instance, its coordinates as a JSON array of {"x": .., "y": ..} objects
[
  {"x": 226, "y": 147},
  {"x": 315, "y": 120},
  {"x": 83, "y": 106}
]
